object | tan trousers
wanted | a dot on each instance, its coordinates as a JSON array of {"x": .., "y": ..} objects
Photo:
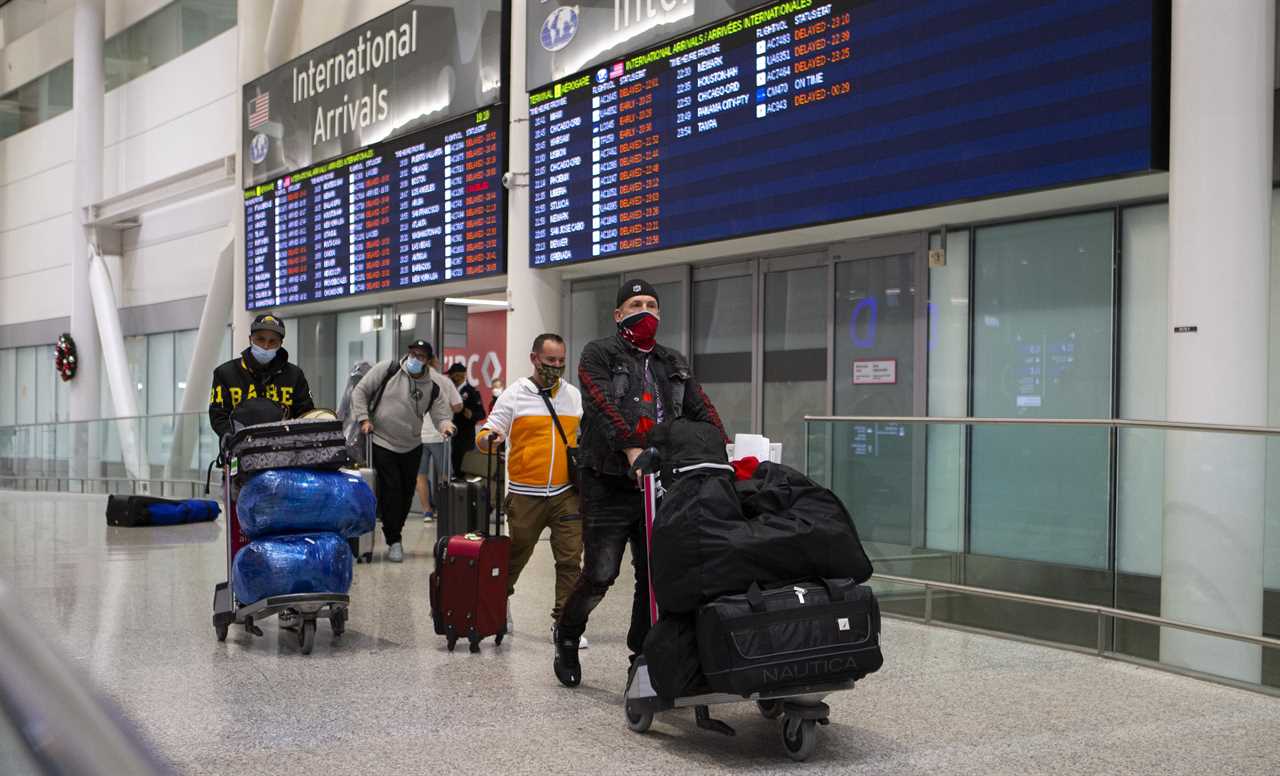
[{"x": 527, "y": 516}]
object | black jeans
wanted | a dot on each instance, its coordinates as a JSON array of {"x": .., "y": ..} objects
[
  {"x": 397, "y": 477},
  {"x": 613, "y": 517}
]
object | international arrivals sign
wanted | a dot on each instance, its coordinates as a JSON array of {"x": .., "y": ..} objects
[{"x": 416, "y": 66}]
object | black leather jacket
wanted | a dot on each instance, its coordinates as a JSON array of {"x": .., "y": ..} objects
[{"x": 611, "y": 375}]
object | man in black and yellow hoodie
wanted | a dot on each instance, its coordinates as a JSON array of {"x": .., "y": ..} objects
[{"x": 262, "y": 370}]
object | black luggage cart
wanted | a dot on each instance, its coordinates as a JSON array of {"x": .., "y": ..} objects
[{"x": 802, "y": 709}]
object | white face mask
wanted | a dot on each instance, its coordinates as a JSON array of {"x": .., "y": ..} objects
[{"x": 263, "y": 355}]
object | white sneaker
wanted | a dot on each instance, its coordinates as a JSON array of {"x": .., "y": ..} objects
[
  {"x": 428, "y": 518},
  {"x": 396, "y": 553}
]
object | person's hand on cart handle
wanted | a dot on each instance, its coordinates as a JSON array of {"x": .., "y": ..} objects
[{"x": 366, "y": 427}]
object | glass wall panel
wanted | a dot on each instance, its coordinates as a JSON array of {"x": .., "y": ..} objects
[
  {"x": 36, "y": 101},
  {"x": 874, "y": 466},
  {"x": 63, "y": 391},
  {"x": 1043, "y": 349},
  {"x": 356, "y": 340},
  {"x": 163, "y": 36},
  {"x": 8, "y": 387},
  {"x": 591, "y": 306},
  {"x": 46, "y": 385},
  {"x": 1271, "y": 546},
  {"x": 795, "y": 356},
  {"x": 1144, "y": 317},
  {"x": 26, "y": 393},
  {"x": 721, "y": 344},
  {"x": 160, "y": 396},
  {"x": 948, "y": 351},
  {"x": 184, "y": 348},
  {"x": 671, "y": 303}
]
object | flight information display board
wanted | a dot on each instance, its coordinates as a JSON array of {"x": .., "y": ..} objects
[
  {"x": 806, "y": 112},
  {"x": 416, "y": 210}
]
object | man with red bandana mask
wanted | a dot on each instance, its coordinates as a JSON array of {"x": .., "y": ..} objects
[{"x": 630, "y": 384}]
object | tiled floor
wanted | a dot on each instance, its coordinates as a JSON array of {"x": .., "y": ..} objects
[{"x": 131, "y": 607}]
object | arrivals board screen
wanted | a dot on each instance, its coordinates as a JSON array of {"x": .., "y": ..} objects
[
  {"x": 415, "y": 210},
  {"x": 807, "y": 112}
]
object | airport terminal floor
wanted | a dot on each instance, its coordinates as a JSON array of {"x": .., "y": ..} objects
[{"x": 130, "y": 607}]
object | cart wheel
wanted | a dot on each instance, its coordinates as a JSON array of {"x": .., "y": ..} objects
[
  {"x": 453, "y": 642},
  {"x": 770, "y": 709},
  {"x": 338, "y": 621},
  {"x": 221, "y": 630},
  {"x": 638, "y": 721},
  {"x": 307, "y": 636},
  {"x": 799, "y": 737}
]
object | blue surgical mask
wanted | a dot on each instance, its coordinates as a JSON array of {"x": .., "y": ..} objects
[
  {"x": 413, "y": 366},
  {"x": 263, "y": 355}
]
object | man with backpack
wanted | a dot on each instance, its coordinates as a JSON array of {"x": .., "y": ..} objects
[{"x": 390, "y": 404}]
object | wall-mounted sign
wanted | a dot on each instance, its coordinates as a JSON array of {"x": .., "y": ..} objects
[
  {"x": 875, "y": 371},
  {"x": 414, "y": 67}
]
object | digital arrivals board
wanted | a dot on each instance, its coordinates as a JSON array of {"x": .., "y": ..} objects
[
  {"x": 806, "y": 112},
  {"x": 419, "y": 209}
]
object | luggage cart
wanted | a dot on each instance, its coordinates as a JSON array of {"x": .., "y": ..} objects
[
  {"x": 298, "y": 611},
  {"x": 802, "y": 708}
]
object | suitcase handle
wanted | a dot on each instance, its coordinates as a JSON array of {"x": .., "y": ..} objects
[{"x": 755, "y": 595}]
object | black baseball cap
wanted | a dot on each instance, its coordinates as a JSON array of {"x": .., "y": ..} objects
[
  {"x": 267, "y": 322},
  {"x": 458, "y": 367},
  {"x": 423, "y": 345},
  {"x": 636, "y": 287}
]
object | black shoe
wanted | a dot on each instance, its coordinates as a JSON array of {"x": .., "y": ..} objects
[{"x": 568, "y": 669}]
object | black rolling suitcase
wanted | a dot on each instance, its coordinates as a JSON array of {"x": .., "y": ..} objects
[
  {"x": 462, "y": 505},
  {"x": 803, "y": 634}
]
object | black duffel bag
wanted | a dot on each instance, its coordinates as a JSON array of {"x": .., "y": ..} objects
[
  {"x": 671, "y": 653},
  {"x": 288, "y": 444},
  {"x": 789, "y": 637}
]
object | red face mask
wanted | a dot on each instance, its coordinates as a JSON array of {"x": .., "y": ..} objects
[{"x": 640, "y": 329}]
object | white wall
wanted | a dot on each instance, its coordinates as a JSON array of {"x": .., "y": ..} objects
[
  {"x": 172, "y": 119},
  {"x": 35, "y": 222},
  {"x": 161, "y": 124}
]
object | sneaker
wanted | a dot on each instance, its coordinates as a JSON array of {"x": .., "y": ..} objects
[
  {"x": 428, "y": 517},
  {"x": 288, "y": 619},
  {"x": 568, "y": 669},
  {"x": 396, "y": 553}
]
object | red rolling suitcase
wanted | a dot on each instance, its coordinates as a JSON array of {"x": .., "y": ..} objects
[{"x": 469, "y": 587}]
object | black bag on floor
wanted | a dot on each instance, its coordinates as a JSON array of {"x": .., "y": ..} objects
[
  {"x": 289, "y": 444},
  {"x": 788, "y": 637},
  {"x": 131, "y": 511},
  {"x": 671, "y": 653}
]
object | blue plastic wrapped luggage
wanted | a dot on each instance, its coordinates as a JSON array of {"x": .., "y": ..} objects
[
  {"x": 294, "y": 501},
  {"x": 285, "y": 565},
  {"x": 189, "y": 511}
]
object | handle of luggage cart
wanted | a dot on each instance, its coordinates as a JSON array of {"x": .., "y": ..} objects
[{"x": 645, "y": 469}]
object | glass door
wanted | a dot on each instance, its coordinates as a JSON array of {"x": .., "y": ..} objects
[
  {"x": 795, "y": 358},
  {"x": 879, "y": 338}
]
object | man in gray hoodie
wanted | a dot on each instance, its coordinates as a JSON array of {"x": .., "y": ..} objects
[{"x": 390, "y": 404}]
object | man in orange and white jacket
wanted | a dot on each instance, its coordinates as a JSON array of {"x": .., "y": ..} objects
[{"x": 541, "y": 493}]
